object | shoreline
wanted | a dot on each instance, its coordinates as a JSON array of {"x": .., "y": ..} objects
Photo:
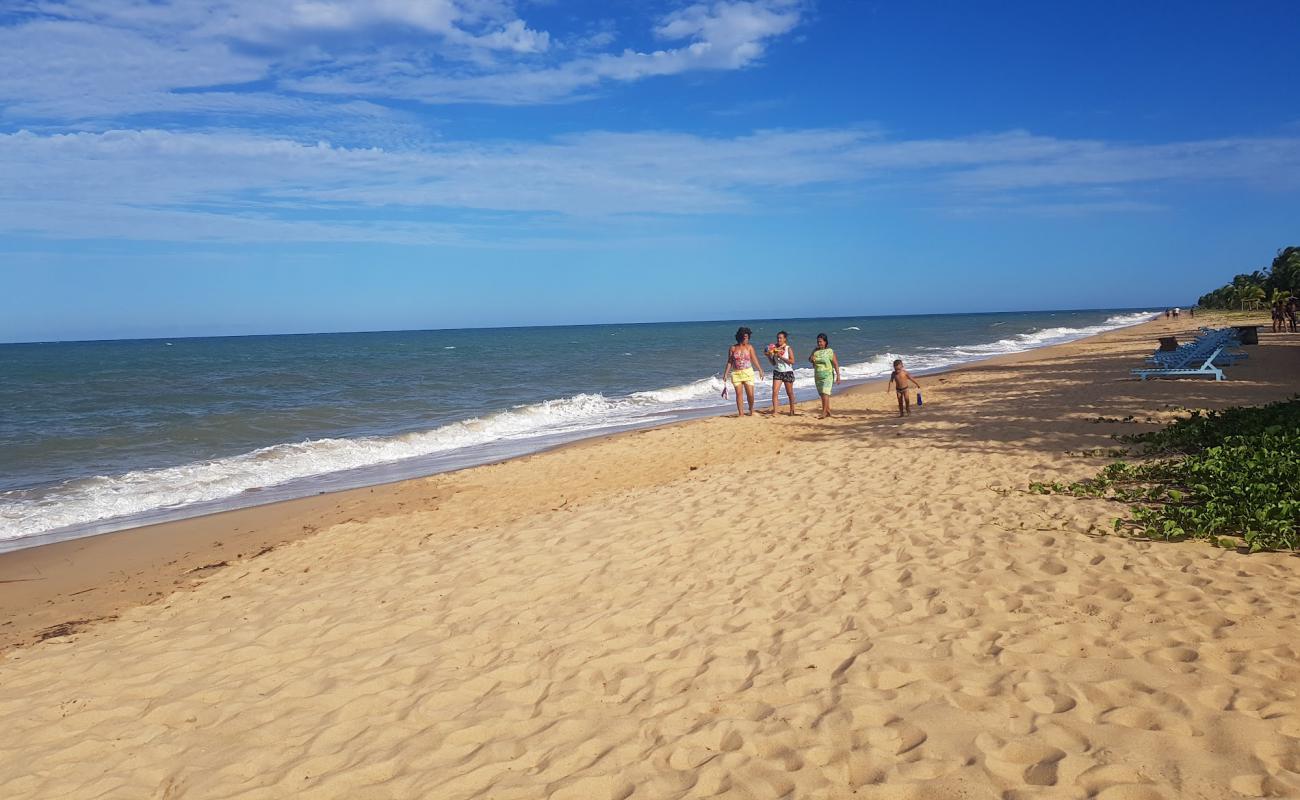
[
  {"x": 859, "y": 606},
  {"x": 76, "y": 582},
  {"x": 173, "y": 506}
]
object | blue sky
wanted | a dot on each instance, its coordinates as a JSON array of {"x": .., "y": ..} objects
[{"x": 245, "y": 166}]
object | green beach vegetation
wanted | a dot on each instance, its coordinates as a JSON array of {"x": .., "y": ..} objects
[
  {"x": 1231, "y": 477},
  {"x": 1259, "y": 288}
]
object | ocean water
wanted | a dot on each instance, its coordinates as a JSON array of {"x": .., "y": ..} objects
[{"x": 99, "y": 436}]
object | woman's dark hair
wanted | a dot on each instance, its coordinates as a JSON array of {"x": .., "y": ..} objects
[
  {"x": 783, "y": 333},
  {"x": 741, "y": 332},
  {"x": 825, "y": 339}
]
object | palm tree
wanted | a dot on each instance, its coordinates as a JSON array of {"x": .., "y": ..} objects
[{"x": 1247, "y": 294}]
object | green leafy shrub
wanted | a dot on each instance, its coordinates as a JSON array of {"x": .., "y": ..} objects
[
  {"x": 1207, "y": 429},
  {"x": 1232, "y": 473}
]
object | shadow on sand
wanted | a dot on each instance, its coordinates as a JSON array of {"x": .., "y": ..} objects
[{"x": 1013, "y": 407}]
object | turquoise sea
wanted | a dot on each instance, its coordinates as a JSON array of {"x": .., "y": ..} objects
[{"x": 98, "y": 436}]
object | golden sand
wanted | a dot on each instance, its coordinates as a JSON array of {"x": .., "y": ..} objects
[{"x": 859, "y": 607}]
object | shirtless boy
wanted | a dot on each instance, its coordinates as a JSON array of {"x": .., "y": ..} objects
[{"x": 899, "y": 380}]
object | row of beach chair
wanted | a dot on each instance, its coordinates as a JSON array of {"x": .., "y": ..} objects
[{"x": 1205, "y": 357}]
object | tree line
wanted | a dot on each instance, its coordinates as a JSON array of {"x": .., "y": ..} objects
[{"x": 1261, "y": 287}]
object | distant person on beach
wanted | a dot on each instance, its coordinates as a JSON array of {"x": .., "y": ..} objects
[
  {"x": 1176, "y": 310},
  {"x": 741, "y": 363},
  {"x": 899, "y": 379},
  {"x": 1279, "y": 317},
  {"x": 826, "y": 372},
  {"x": 782, "y": 357},
  {"x": 1192, "y": 311}
]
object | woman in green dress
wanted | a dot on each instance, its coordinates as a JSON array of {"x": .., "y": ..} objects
[{"x": 826, "y": 371}]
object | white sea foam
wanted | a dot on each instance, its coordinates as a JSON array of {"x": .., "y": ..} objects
[
  {"x": 1042, "y": 337},
  {"x": 697, "y": 390},
  {"x": 83, "y": 502},
  {"x": 103, "y": 497},
  {"x": 880, "y": 365}
]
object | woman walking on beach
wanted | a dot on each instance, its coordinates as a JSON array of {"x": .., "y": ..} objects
[
  {"x": 826, "y": 372},
  {"x": 782, "y": 357},
  {"x": 741, "y": 363}
]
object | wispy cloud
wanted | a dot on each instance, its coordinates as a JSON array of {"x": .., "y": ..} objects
[
  {"x": 151, "y": 184},
  {"x": 1096, "y": 164},
  {"x": 715, "y": 36},
  {"x": 85, "y": 59}
]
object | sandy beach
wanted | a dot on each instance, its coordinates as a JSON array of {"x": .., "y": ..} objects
[{"x": 861, "y": 607}]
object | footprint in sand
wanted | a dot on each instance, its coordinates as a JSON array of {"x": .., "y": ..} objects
[
  {"x": 1023, "y": 760},
  {"x": 1180, "y": 596},
  {"x": 1098, "y": 779},
  {"x": 1147, "y": 719},
  {"x": 1267, "y": 707},
  {"x": 926, "y": 769},
  {"x": 1172, "y": 655},
  {"x": 1279, "y": 756},
  {"x": 1050, "y": 702},
  {"x": 756, "y": 781},
  {"x": 1263, "y": 786},
  {"x": 1003, "y": 602},
  {"x": 1040, "y": 692},
  {"x": 888, "y": 679},
  {"x": 691, "y": 756},
  {"x": 895, "y": 737},
  {"x": 1063, "y": 738},
  {"x": 1116, "y": 592},
  {"x": 865, "y": 769},
  {"x": 1051, "y": 566},
  {"x": 1218, "y": 697},
  {"x": 1290, "y": 726},
  {"x": 1133, "y": 792}
]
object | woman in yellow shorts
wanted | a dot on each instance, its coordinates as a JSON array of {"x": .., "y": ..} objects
[
  {"x": 741, "y": 363},
  {"x": 826, "y": 371}
]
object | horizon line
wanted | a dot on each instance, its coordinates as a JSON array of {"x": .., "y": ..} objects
[{"x": 555, "y": 325}]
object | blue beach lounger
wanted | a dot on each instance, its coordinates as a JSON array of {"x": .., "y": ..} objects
[
  {"x": 1212, "y": 343},
  {"x": 1205, "y": 369}
]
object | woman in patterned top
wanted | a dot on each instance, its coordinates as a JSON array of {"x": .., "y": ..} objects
[{"x": 741, "y": 363}]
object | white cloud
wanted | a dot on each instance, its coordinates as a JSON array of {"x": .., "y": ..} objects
[
  {"x": 149, "y": 184},
  {"x": 83, "y": 59},
  {"x": 1093, "y": 163},
  {"x": 55, "y": 69},
  {"x": 728, "y": 35}
]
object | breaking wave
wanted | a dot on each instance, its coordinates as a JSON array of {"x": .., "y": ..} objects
[{"x": 81, "y": 502}]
